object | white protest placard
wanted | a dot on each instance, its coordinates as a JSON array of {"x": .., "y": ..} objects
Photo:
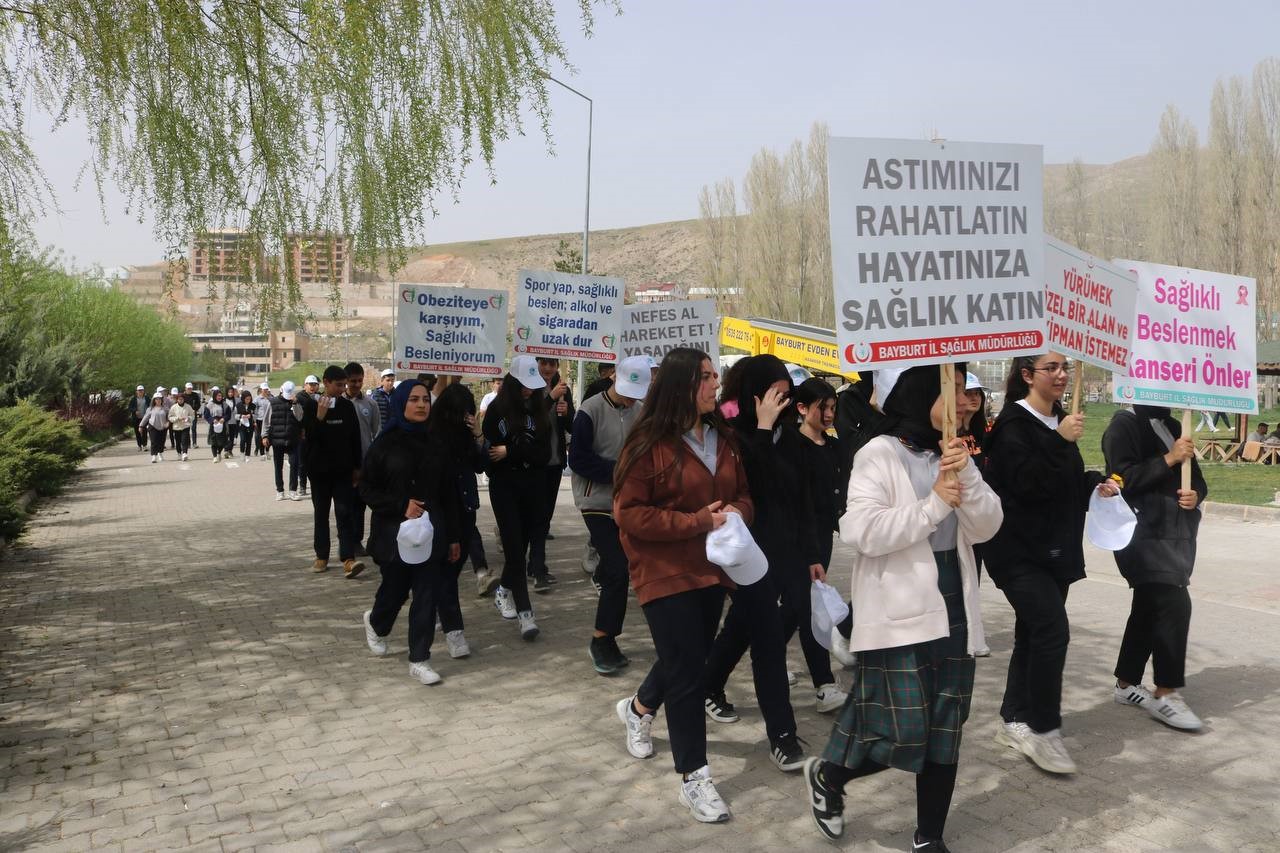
[
  {"x": 657, "y": 328},
  {"x": 1089, "y": 304},
  {"x": 937, "y": 251},
  {"x": 567, "y": 315},
  {"x": 1195, "y": 341},
  {"x": 453, "y": 331}
]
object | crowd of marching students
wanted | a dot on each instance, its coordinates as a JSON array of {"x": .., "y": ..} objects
[{"x": 681, "y": 477}]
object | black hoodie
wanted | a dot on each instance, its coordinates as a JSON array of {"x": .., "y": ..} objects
[{"x": 1044, "y": 492}]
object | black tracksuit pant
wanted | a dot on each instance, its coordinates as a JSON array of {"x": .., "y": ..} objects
[
  {"x": 475, "y": 548},
  {"x": 182, "y": 439},
  {"x": 157, "y": 439},
  {"x": 755, "y": 621},
  {"x": 139, "y": 432},
  {"x": 334, "y": 488},
  {"x": 278, "y": 454},
  {"x": 548, "y": 480},
  {"x": 399, "y": 580},
  {"x": 517, "y": 506},
  {"x": 683, "y": 626},
  {"x": 1159, "y": 621},
  {"x": 611, "y": 573},
  {"x": 739, "y": 629},
  {"x": 1041, "y": 633}
]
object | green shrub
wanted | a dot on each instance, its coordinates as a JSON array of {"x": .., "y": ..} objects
[{"x": 26, "y": 429}]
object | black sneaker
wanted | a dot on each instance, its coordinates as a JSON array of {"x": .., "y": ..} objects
[
  {"x": 787, "y": 753},
  {"x": 619, "y": 659},
  {"x": 934, "y": 845},
  {"x": 541, "y": 584},
  {"x": 721, "y": 709},
  {"x": 550, "y": 536},
  {"x": 550, "y": 577},
  {"x": 825, "y": 804},
  {"x": 602, "y": 657}
]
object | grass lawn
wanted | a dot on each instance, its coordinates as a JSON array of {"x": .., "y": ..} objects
[{"x": 1236, "y": 483}]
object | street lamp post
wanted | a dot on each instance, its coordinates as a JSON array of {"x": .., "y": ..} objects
[{"x": 586, "y": 221}]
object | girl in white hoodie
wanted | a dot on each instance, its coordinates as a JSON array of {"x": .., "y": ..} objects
[{"x": 916, "y": 616}]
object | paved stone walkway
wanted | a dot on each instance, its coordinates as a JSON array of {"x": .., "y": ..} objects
[{"x": 172, "y": 676}]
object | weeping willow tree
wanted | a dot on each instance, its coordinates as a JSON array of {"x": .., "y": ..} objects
[{"x": 276, "y": 116}]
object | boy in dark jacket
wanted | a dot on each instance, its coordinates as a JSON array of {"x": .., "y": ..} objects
[
  {"x": 332, "y": 445},
  {"x": 1146, "y": 448}
]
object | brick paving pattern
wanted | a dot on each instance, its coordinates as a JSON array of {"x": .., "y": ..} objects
[{"x": 172, "y": 676}]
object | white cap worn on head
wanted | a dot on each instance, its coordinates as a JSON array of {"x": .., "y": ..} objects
[
  {"x": 190, "y": 386},
  {"x": 173, "y": 390},
  {"x": 139, "y": 388},
  {"x": 415, "y": 539},
  {"x": 633, "y": 377},
  {"x": 1110, "y": 522},
  {"x": 525, "y": 368},
  {"x": 731, "y": 547},
  {"x": 973, "y": 383},
  {"x": 214, "y": 388},
  {"x": 884, "y": 381},
  {"x": 797, "y": 373},
  {"x": 311, "y": 380},
  {"x": 265, "y": 386},
  {"x": 388, "y": 372},
  {"x": 286, "y": 390}
]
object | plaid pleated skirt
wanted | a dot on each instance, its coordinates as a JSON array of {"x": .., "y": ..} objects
[{"x": 908, "y": 704}]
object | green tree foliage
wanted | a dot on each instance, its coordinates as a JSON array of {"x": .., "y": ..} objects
[
  {"x": 210, "y": 362},
  {"x": 61, "y": 335},
  {"x": 568, "y": 258},
  {"x": 278, "y": 116}
]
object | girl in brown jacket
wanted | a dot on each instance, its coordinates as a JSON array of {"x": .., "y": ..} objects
[{"x": 678, "y": 476}]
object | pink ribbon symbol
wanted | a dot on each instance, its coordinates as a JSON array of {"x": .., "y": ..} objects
[{"x": 1242, "y": 295}]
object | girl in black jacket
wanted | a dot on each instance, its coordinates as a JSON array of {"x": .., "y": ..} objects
[
  {"x": 453, "y": 424},
  {"x": 823, "y": 461},
  {"x": 518, "y": 428},
  {"x": 1034, "y": 465},
  {"x": 406, "y": 474},
  {"x": 1145, "y": 448}
]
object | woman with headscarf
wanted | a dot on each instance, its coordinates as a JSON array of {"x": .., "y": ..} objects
[
  {"x": 1034, "y": 465},
  {"x": 217, "y": 414},
  {"x": 786, "y": 529},
  {"x": 914, "y": 511},
  {"x": 1145, "y": 448},
  {"x": 407, "y": 474}
]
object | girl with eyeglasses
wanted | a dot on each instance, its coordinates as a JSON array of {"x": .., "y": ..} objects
[{"x": 1034, "y": 465}]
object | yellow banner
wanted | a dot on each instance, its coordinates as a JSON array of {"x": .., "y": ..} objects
[
  {"x": 740, "y": 335},
  {"x": 815, "y": 355}
]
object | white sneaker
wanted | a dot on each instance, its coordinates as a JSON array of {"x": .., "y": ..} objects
[
  {"x": 528, "y": 628},
  {"x": 502, "y": 601},
  {"x": 457, "y": 644},
  {"x": 424, "y": 673},
  {"x": 377, "y": 645},
  {"x": 161, "y": 457},
  {"x": 1171, "y": 709},
  {"x": 295, "y": 496},
  {"x": 279, "y": 496},
  {"x": 1134, "y": 694},
  {"x": 830, "y": 698},
  {"x": 793, "y": 678},
  {"x": 982, "y": 652},
  {"x": 216, "y": 458},
  {"x": 699, "y": 794},
  {"x": 1013, "y": 735},
  {"x": 1048, "y": 751},
  {"x": 639, "y": 734},
  {"x": 184, "y": 457}
]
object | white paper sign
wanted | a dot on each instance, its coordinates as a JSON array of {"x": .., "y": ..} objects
[
  {"x": 454, "y": 331},
  {"x": 937, "y": 251},
  {"x": 567, "y": 315},
  {"x": 1089, "y": 304},
  {"x": 1194, "y": 340},
  {"x": 657, "y": 328}
]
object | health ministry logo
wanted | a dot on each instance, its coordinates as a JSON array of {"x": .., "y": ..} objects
[{"x": 495, "y": 301}]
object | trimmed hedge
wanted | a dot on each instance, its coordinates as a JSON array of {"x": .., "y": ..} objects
[{"x": 38, "y": 451}]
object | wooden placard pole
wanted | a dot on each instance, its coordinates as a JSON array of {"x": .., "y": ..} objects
[
  {"x": 948, "y": 378},
  {"x": 1077, "y": 389},
  {"x": 1186, "y": 464}
]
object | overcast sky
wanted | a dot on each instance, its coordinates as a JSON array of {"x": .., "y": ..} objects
[{"x": 685, "y": 92}]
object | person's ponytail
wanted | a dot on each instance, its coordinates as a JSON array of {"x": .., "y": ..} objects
[{"x": 1016, "y": 386}]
